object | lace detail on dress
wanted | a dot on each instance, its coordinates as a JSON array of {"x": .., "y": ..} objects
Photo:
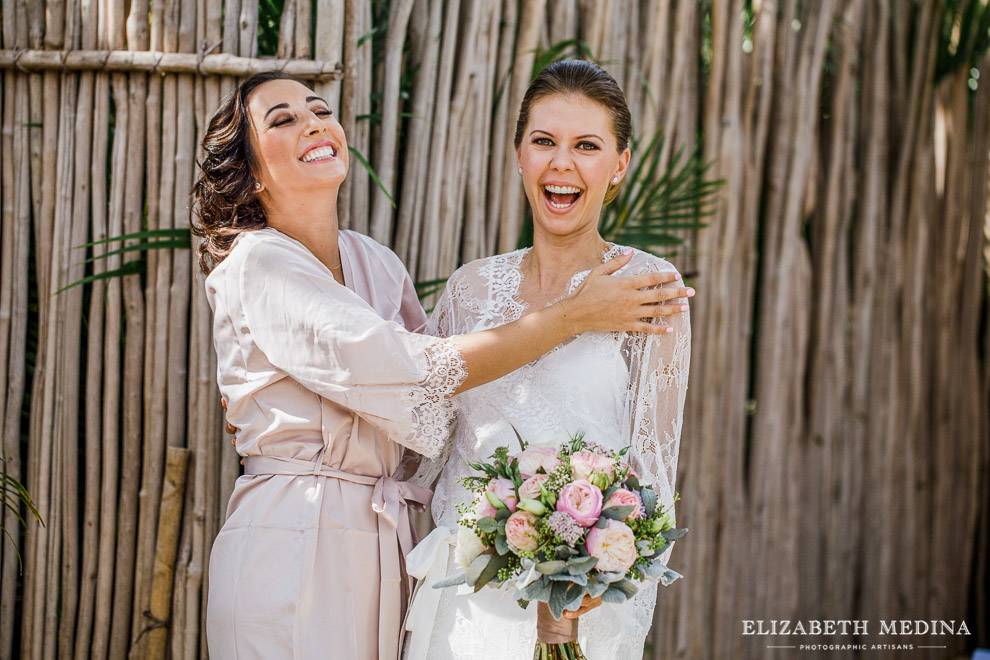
[
  {"x": 635, "y": 398},
  {"x": 431, "y": 401}
]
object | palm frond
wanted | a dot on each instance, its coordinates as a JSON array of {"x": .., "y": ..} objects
[{"x": 655, "y": 202}]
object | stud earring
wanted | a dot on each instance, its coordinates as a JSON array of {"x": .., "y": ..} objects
[
  {"x": 519, "y": 169},
  {"x": 615, "y": 180},
  {"x": 257, "y": 186}
]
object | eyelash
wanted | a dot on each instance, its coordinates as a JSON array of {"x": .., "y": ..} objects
[
  {"x": 287, "y": 120},
  {"x": 542, "y": 140}
]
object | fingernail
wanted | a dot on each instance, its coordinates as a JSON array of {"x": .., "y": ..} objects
[
  {"x": 684, "y": 308},
  {"x": 627, "y": 250},
  {"x": 668, "y": 329},
  {"x": 690, "y": 292}
]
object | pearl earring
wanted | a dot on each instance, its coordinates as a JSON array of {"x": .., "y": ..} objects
[
  {"x": 519, "y": 169},
  {"x": 257, "y": 186},
  {"x": 615, "y": 180}
]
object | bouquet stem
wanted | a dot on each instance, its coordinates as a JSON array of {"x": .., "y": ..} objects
[{"x": 556, "y": 639}]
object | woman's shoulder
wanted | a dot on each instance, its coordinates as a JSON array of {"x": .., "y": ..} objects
[
  {"x": 646, "y": 262},
  {"x": 485, "y": 267},
  {"x": 265, "y": 244}
]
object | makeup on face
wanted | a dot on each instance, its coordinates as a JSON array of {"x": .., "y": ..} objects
[{"x": 568, "y": 157}]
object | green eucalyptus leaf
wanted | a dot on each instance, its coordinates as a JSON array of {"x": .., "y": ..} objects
[
  {"x": 487, "y": 525},
  {"x": 501, "y": 545},
  {"x": 674, "y": 534},
  {"x": 617, "y": 512},
  {"x": 552, "y": 567}
]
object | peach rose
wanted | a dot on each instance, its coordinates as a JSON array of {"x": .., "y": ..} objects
[
  {"x": 520, "y": 532},
  {"x": 583, "y": 463},
  {"x": 534, "y": 458},
  {"x": 623, "y": 497},
  {"x": 614, "y": 545},
  {"x": 530, "y": 489}
]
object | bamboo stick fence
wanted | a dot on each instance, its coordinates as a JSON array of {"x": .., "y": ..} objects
[{"x": 836, "y": 447}]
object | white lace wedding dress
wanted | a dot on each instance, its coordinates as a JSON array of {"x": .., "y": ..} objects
[{"x": 618, "y": 388}]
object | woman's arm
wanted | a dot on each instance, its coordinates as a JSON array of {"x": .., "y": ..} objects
[{"x": 601, "y": 303}]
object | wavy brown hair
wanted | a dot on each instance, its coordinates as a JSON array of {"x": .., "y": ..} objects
[
  {"x": 226, "y": 201},
  {"x": 586, "y": 79}
]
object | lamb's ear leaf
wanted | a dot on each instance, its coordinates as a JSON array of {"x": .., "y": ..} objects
[{"x": 451, "y": 581}]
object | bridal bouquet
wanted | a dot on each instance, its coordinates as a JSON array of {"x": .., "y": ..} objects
[{"x": 556, "y": 524}]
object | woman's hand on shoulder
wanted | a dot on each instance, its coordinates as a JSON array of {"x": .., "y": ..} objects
[{"x": 605, "y": 302}]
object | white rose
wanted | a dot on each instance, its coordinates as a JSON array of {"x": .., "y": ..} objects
[{"x": 468, "y": 546}]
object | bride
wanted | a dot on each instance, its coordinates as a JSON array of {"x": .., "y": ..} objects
[{"x": 619, "y": 388}]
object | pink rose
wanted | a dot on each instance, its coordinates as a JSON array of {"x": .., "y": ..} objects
[
  {"x": 505, "y": 490},
  {"x": 583, "y": 463},
  {"x": 582, "y": 500},
  {"x": 520, "y": 532},
  {"x": 614, "y": 545},
  {"x": 534, "y": 458},
  {"x": 482, "y": 507},
  {"x": 530, "y": 489},
  {"x": 623, "y": 497}
]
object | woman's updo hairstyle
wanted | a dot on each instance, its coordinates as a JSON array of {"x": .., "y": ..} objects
[
  {"x": 588, "y": 80},
  {"x": 225, "y": 194}
]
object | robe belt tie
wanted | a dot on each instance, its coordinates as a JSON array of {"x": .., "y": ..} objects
[{"x": 390, "y": 500}]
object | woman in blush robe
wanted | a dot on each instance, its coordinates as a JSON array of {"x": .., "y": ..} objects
[{"x": 328, "y": 385}]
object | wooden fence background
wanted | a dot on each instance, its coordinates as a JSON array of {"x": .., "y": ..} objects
[{"x": 836, "y": 446}]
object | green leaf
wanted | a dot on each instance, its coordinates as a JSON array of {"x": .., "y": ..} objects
[
  {"x": 552, "y": 567},
  {"x": 490, "y": 571},
  {"x": 632, "y": 483},
  {"x": 522, "y": 443},
  {"x": 617, "y": 512},
  {"x": 538, "y": 590},
  {"x": 477, "y": 566},
  {"x": 130, "y": 268},
  {"x": 674, "y": 534},
  {"x": 580, "y": 565},
  {"x": 502, "y": 515},
  {"x": 142, "y": 247},
  {"x": 501, "y": 545},
  {"x": 558, "y": 599},
  {"x": 167, "y": 233},
  {"x": 451, "y": 581},
  {"x": 649, "y": 501},
  {"x": 487, "y": 525},
  {"x": 374, "y": 177},
  {"x": 596, "y": 588}
]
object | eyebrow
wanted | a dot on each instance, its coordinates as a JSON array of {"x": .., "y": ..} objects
[
  {"x": 580, "y": 137},
  {"x": 286, "y": 105}
]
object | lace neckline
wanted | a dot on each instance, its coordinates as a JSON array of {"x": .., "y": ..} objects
[{"x": 515, "y": 307}]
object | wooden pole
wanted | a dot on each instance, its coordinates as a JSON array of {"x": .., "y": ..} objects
[{"x": 169, "y": 524}]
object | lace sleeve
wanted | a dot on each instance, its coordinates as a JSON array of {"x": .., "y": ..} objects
[
  {"x": 658, "y": 379},
  {"x": 443, "y": 322}
]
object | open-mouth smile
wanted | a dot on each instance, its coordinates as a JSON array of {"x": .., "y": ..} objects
[
  {"x": 319, "y": 152},
  {"x": 560, "y": 197}
]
